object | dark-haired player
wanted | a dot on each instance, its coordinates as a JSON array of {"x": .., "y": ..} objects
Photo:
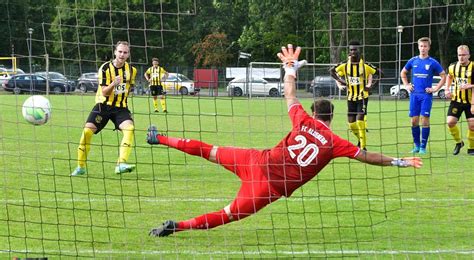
[{"x": 267, "y": 175}]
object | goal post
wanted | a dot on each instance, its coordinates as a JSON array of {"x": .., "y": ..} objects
[{"x": 8, "y": 63}]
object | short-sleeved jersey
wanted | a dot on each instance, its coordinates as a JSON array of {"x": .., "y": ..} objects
[
  {"x": 422, "y": 72},
  {"x": 461, "y": 75},
  {"x": 356, "y": 75},
  {"x": 302, "y": 154},
  {"x": 155, "y": 74},
  {"x": 118, "y": 96}
]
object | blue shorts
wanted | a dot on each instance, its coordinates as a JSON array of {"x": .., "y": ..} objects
[{"x": 420, "y": 104}]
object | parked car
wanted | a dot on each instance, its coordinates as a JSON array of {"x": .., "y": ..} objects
[
  {"x": 58, "y": 77},
  {"x": 88, "y": 82},
  {"x": 402, "y": 92},
  {"x": 323, "y": 86},
  {"x": 7, "y": 73},
  {"x": 21, "y": 83},
  {"x": 179, "y": 84},
  {"x": 256, "y": 86}
]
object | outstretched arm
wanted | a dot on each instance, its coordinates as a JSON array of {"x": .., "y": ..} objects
[
  {"x": 383, "y": 160},
  {"x": 289, "y": 57}
]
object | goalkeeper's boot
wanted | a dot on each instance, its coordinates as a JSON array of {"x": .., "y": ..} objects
[
  {"x": 458, "y": 147},
  {"x": 152, "y": 135},
  {"x": 124, "y": 167},
  {"x": 79, "y": 171},
  {"x": 166, "y": 229},
  {"x": 416, "y": 149},
  {"x": 470, "y": 151},
  {"x": 422, "y": 150}
]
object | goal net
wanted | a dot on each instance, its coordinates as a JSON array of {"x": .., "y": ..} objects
[{"x": 349, "y": 209}]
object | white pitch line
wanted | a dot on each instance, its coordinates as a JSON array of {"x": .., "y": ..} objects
[
  {"x": 144, "y": 199},
  {"x": 243, "y": 253}
]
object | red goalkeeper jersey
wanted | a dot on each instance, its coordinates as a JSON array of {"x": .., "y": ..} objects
[{"x": 302, "y": 154}]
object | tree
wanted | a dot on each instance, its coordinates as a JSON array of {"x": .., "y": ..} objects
[{"x": 212, "y": 51}]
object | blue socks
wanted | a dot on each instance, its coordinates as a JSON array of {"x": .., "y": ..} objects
[
  {"x": 415, "y": 131},
  {"x": 425, "y": 133}
]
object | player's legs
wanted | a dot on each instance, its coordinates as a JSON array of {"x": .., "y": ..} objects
[
  {"x": 351, "y": 119},
  {"x": 255, "y": 193},
  {"x": 154, "y": 93},
  {"x": 161, "y": 95},
  {"x": 452, "y": 118},
  {"x": 189, "y": 146},
  {"x": 366, "y": 104},
  {"x": 96, "y": 121},
  {"x": 85, "y": 144},
  {"x": 128, "y": 129},
  {"x": 470, "y": 132},
  {"x": 123, "y": 121},
  {"x": 426, "y": 104},
  {"x": 415, "y": 110},
  {"x": 470, "y": 136},
  {"x": 361, "y": 124}
]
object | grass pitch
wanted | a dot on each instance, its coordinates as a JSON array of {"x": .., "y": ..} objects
[{"x": 349, "y": 209}]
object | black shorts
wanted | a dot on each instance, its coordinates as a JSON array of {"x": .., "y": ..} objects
[
  {"x": 156, "y": 90},
  {"x": 356, "y": 107},
  {"x": 455, "y": 109},
  {"x": 101, "y": 114}
]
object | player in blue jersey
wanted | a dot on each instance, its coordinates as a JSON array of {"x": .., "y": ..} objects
[{"x": 422, "y": 68}]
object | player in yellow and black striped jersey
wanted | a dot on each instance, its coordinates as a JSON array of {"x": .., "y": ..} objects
[
  {"x": 155, "y": 75},
  {"x": 461, "y": 96},
  {"x": 116, "y": 79},
  {"x": 358, "y": 77}
]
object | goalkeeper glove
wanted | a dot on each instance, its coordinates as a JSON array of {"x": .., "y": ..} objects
[{"x": 291, "y": 67}]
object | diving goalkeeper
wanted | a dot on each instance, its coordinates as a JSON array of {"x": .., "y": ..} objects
[{"x": 267, "y": 175}]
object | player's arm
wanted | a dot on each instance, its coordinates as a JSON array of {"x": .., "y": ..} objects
[
  {"x": 403, "y": 76},
  {"x": 369, "y": 81},
  {"x": 289, "y": 58},
  {"x": 147, "y": 75},
  {"x": 449, "y": 81},
  {"x": 378, "y": 76},
  {"x": 440, "y": 84},
  {"x": 336, "y": 77},
  {"x": 383, "y": 160},
  {"x": 107, "y": 90},
  {"x": 165, "y": 76},
  {"x": 472, "y": 103}
]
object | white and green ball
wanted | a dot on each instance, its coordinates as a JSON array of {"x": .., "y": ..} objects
[{"x": 37, "y": 110}]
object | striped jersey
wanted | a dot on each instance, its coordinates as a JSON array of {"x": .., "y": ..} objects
[
  {"x": 118, "y": 96},
  {"x": 461, "y": 75},
  {"x": 356, "y": 75},
  {"x": 155, "y": 74}
]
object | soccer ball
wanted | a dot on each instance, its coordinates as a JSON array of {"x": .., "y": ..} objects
[{"x": 37, "y": 110}]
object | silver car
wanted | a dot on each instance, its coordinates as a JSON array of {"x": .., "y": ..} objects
[{"x": 256, "y": 86}]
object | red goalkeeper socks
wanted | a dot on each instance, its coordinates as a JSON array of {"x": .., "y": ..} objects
[
  {"x": 206, "y": 221},
  {"x": 189, "y": 146}
]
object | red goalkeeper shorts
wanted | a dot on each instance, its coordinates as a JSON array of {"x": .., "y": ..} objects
[{"x": 255, "y": 191}]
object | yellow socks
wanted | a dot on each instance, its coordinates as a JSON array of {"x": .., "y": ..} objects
[
  {"x": 470, "y": 138},
  {"x": 454, "y": 131},
  {"x": 163, "y": 104},
  {"x": 126, "y": 145},
  {"x": 84, "y": 147},
  {"x": 365, "y": 121},
  {"x": 155, "y": 104},
  {"x": 362, "y": 134},
  {"x": 354, "y": 129}
]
